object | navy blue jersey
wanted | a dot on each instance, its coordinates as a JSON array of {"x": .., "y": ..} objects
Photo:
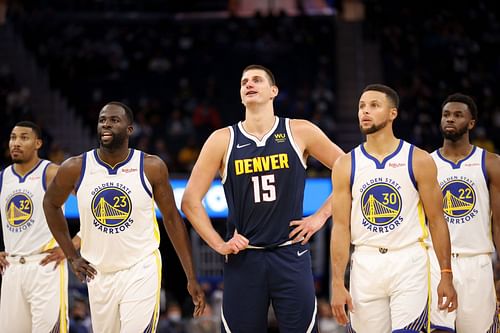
[{"x": 264, "y": 184}]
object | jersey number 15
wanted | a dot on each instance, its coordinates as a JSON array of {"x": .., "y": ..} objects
[{"x": 264, "y": 188}]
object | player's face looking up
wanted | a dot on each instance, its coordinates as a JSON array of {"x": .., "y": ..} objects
[
  {"x": 256, "y": 87},
  {"x": 23, "y": 144},
  {"x": 113, "y": 127},
  {"x": 456, "y": 120},
  {"x": 375, "y": 111}
]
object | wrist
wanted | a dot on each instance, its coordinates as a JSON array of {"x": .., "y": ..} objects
[{"x": 446, "y": 271}]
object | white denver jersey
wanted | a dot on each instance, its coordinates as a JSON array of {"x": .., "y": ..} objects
[
  {"x": 386, "y": 210},
  {"x": 117, "y": 212},
  {"x": 25, "y": 230},
  {"x": 466, "y": 202}
]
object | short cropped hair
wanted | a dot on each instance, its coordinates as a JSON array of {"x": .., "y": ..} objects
[
  {"x": 128, "y": 110},
  {"x": 462, "y": 98},
  {"x": 265, "y": 69},
  {"x": 36, "y": 129},
  {"x": 391, "y": 94}
]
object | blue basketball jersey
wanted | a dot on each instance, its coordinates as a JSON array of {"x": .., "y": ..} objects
[{"x": 264, "y": 184}]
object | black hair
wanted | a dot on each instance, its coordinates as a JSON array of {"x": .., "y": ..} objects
[
  {"x": 391, "y": 94},
  {"x": 465, "y": 99},
  {"x": 128, "y": 111},
  {"x": 36, "y": 129}
]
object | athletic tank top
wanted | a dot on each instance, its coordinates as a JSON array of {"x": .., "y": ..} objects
[
  {"x": 264, "y": 184},
  {"x": 25, "y": 229},
  {"x": 386, "y": 210},
  {"x": 117, "y": 213},
  {"x": 466, "y": 202}
]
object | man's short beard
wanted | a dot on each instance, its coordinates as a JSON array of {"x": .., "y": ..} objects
[
  {"x": 117, "y": 142},
  {"x": 374, "y": 128},
  {"x": 454, "y": 136}
]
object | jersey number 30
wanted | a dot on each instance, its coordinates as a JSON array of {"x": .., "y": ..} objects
[{"x": 264, "y": 188}]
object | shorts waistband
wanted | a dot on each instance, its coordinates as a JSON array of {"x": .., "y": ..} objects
[
  {"x": 467, "y": 255},
  {"x": 18, "y": 259},
  {"x": 253, "y": 247},
  {"x": 383, "y": 250}
]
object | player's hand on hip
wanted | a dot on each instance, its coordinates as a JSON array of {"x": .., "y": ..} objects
[
  {"x": 198, "y": 297},
  {"x": 3, "y": 261},
  {"x": 82, "y": 269},
  {"x": 304, "y": 229},
  {"x": 236, "y": 244},
  {"x": 55, "y": 255},
  {"x": 447, "y": 296},
  {"x": 340, "y": 299}
]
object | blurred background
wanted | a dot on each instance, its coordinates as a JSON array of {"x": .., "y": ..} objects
[{"x": 178, "y": 64}]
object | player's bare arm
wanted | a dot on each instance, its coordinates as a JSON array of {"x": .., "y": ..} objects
[
  {"x": 55, "y": 254},
  {"x": 313, "y": 142},
  {"x": 56, "y": 195},
  {"x": 432, "y": 199},
  {"x": 493, "y": 171},
  {"x": 341, "y": 238},
  {"x": 4, "y": 263},
  {"x": 157, "y": 173},
  {"x": 211, "y": 159}
]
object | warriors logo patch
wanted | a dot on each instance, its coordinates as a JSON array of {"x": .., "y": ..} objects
[
  {"x": 459, "y": 199},
  {"x": 111, "y": 207},
  {"x": 19, "y": 211},
  {"x": 381, "y": 207}
]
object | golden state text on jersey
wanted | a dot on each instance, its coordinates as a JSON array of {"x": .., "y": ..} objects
[
  {"x": 111, "y": 207},
  {"x": 459, "y": 199},
  {"x": 381, "y": 205},
  {"x": 19, "y": 210}
]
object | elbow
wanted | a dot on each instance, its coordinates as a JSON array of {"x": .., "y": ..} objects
[{"x": 186, "y": 205}]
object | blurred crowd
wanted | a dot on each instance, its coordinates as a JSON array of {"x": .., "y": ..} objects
[
  {"x": 429, "y": 52},
  {"x": 181, "y": 77}
]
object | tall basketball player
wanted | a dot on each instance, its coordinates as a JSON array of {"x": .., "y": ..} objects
[
  {"x": 262, "y": 162},
  {"x": 116, "y": 189},
  {"x": 35, "y": 281},
  {"x": 470, "y": 181},
  {"x": 383, "y": 190}
]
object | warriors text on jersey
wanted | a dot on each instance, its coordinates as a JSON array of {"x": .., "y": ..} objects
[
  {"x": 264, "y": 183},
  {"x": 466, "y": 202},
  {"x": 117, "y": 212},
  {"x": 386, "y": 209},
  {"x": 25, "y": 229}
]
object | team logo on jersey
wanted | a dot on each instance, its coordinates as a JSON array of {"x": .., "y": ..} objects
[
  {"x": 280, "y": 137},
  {"x": 19, "y": 211},
  {"x": 381, "y": 207},
  {"x": 111, "y": 208},
  {"x": 459, "y": 200}
]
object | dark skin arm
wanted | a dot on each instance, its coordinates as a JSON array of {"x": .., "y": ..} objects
[
  {"x": 55, "y": 254},
  {"x": 157, "y": 173},
  {"x": 493, "y": 171},
  {"x": 56, "y": 195}
]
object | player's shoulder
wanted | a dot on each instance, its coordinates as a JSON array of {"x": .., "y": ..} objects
[{"x": 72, "y": 162}]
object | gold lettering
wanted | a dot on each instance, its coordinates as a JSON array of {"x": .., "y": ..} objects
[
  {"x": 257, "y": 164},
  {"x": 238, "y": 166},
  {"x": 284, "y": 161}
]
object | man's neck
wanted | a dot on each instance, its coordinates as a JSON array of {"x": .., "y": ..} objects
[
  {"x": 456, "y": 150},
  {"x": 381, "y": 144},
  {"x": 25, "y": 167},
  {"x": 113, "y": 156},
  {"x": 259, "y": 120}
]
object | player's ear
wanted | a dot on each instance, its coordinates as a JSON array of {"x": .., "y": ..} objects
[{"x": 274, "y": 91}]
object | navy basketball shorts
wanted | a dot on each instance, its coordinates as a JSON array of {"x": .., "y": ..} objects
[{"x": 256, "y": 278}]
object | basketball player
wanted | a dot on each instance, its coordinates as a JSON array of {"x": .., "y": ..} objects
[
  {"x": 116, "y": 188},
  {"x": 383, "y": 188},
  {"x": 262, "y": 162},
  {"x": 469, "y": 177},
  {"x": 35, "y": 281}
]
